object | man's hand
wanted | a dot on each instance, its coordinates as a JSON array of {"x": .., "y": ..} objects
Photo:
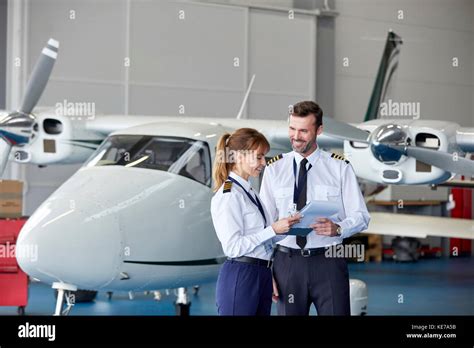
[
  {"x": 324, "y": 227},
  {"x": 275, "y": 295}
]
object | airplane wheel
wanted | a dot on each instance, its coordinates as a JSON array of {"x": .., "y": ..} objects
[
  {"x": 195, "y": 290},
  {"x": 109, "y": 295},
  {"x": 21, "y": 310},
  {"x": 183, "y": 310},
  {"x": 157, "y": 295}
]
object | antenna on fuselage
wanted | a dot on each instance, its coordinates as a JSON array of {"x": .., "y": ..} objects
[{"x": 246, "y": 97}]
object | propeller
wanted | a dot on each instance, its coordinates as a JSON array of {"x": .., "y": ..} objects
[
  {"x": 16, "y": 128},
  {"x": 390, "y": 141},
  {"x": 440, "y": 159},
  {"x": 344, "y": 131},
  {"x": 40, "y": 76}
]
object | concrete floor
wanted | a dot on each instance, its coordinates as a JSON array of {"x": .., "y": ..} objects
[{"x": 428, "y": 287}]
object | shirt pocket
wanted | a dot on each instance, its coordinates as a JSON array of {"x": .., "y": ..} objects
[
  {"x": 283, "y": 199},
  {"x": 326, "y": 193},
  {"x": 252, "y": 220}
]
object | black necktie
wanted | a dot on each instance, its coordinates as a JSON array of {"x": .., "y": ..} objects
[{"x": 301, "y": 201}]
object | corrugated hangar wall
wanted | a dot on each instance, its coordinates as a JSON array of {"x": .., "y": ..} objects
[
  {"x": 202, "y": 59},
  {"x": 433, "y": 32},
  {"x": 3, "y": 51}
]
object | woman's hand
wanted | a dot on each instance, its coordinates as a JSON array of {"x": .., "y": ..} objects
[{"x": 283, "y": 225}]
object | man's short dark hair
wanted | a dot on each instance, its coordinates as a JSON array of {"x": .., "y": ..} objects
[{"x": 307, "y": 107}]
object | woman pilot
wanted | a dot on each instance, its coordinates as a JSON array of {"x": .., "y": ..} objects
[{"x": 243, "y": 226}]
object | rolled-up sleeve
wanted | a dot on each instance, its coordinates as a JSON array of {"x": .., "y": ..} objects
[{"x": 228, "y": 220}]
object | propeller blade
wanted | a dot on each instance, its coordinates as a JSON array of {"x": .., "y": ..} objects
[
  {"x": 40, "y": 76},
  {"x": 443, "y": 160},
  {"x": 5, "y": 148},
  {"x": 343, "y": 130}
]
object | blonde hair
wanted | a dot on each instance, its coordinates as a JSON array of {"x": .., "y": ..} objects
[{"x": 242, "y": 139}]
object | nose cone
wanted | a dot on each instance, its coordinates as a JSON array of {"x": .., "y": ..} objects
[
  {"x": 103, "y": 218},
  {"x": 384, "y": 137},
  {"x": 66, "y": 240}
]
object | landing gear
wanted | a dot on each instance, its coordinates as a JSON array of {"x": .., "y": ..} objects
[
  {"x": 195, "y": 290},
  {"x": 182, "y": 303},
  {"x": 157, "y": 295},
  {"x": 64, "y": 292}
]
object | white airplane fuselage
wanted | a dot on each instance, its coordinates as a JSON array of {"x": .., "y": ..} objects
[{"x": 126, "y": 228}]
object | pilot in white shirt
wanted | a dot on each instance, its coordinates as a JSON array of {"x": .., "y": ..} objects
[
  {"x": 332, "y": 179},
  {"x": 303, "y": 271},
  {"x": 238, "y": 222},
  {"x": 243, "y": 226}
]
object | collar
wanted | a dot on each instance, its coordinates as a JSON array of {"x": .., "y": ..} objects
[
  {"x": 311, "y": 158},
  {"x": 246, "y": 185}
]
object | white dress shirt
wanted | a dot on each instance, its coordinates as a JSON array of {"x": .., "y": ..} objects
[
  {"x": 239, "y": 224},
  {"x": 329, "y": 179}
]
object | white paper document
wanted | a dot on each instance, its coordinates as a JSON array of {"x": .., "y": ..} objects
[{"x": 311, "y": 212}]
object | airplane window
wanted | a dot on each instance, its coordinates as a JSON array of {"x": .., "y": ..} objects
[{"x": 185, "y": 157}]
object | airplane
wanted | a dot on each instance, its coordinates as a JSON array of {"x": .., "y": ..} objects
[{"x": 136, "y": 217}]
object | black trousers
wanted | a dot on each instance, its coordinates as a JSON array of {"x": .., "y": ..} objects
[{"x": 321, "y": 280}]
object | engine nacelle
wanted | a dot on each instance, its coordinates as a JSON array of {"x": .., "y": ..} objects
[
  {"x": 377, "y": 162},
  {"x": 57, "y": 139}
]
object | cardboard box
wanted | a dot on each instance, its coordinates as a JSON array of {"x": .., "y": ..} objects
[{"x": 11, "y": 199}]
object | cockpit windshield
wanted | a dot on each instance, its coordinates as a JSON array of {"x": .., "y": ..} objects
[{"x": 182, "y": 156}]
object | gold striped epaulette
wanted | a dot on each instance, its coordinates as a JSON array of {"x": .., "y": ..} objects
[
  {"x": 339, "y": 157},
  {"x": 274, "y": 159},
  {"x": 227, "y": 186}
]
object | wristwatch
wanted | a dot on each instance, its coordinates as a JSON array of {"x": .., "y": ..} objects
[{"x": 338, "y": 230}]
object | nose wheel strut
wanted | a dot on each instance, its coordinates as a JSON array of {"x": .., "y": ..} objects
[
  {"x": 182, "y": 303},
  {"x": 65, "y": 292}
]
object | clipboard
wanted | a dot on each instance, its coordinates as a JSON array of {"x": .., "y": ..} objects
[{"x": 312, "y": 211}]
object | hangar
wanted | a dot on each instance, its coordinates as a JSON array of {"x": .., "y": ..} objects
[{"x": 101, "y": 228}]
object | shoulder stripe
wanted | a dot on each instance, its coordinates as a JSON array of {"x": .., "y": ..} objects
[
  {"x": 339, "y": 157},
  {"x": 274, "y": 159},
  {"x": 227, "y": 186}
]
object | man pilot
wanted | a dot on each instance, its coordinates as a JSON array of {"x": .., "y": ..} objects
[{"x": 302, "y": 273}]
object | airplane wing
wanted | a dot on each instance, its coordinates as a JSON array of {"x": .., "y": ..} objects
[
  {"x": 458, "y": 183},
  {"x": 420, "y": 226}
]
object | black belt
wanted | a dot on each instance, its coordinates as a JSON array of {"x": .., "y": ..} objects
[
  {"x": 252, "y": 260},
  {"x": 301, "y": 252}
]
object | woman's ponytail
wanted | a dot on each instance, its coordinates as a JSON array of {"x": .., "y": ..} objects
[{"x": 221, "y": 168}]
